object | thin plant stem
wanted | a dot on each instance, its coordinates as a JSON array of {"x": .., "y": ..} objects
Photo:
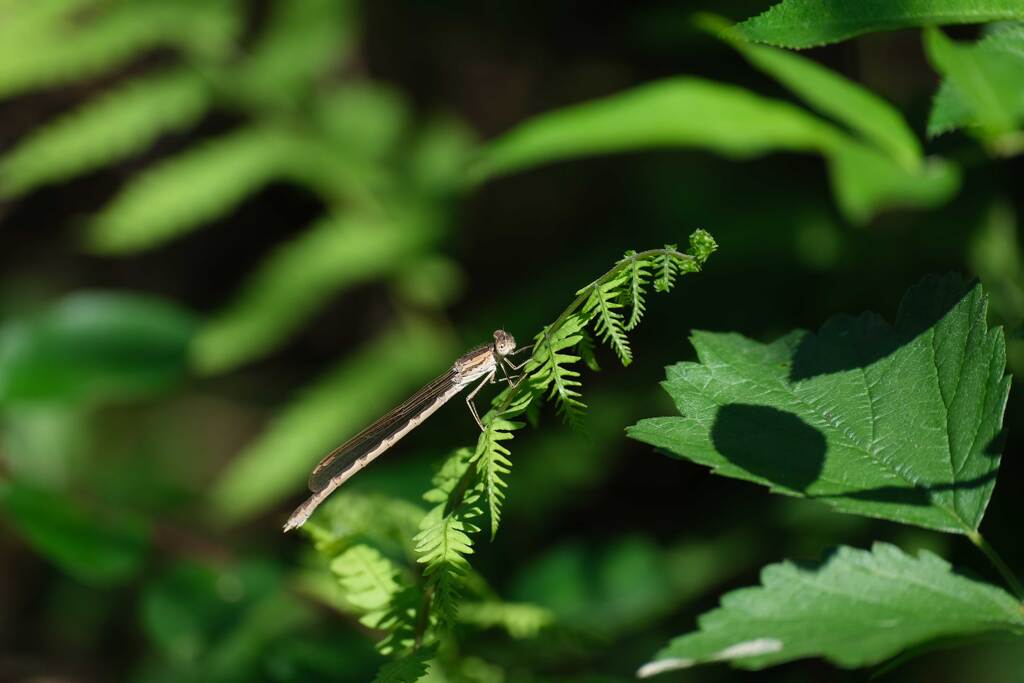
[{"x": 997, "y": 561}]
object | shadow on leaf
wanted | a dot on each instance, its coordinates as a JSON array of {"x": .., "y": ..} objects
[
  {"x": 846, "y": 342},
  {"x": 771, "y": 444}
]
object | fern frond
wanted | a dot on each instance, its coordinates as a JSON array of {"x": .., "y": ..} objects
[
  {"x": 368, "y": 582},
  {"x": 605, "y": 307},
  {"x": 665, "y": 267},
  {"x": 550, "y": 372},
  {"x": 491, "y": 459},
  {"x": 639, "y": 277},
  {"x": 299, "y": 277},
  {"x": 520, "y": 620},
  {"x": 108, "y": 129},
  {"x": 179, "y": 194},
  {"x": 444, "y": 538},
  {"x": 407, "y": 669}
]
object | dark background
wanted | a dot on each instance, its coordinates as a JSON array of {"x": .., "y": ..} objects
[{"x": 626, "y": 542}]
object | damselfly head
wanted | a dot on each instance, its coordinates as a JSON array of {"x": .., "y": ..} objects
[{"x": 504, "y": 343}]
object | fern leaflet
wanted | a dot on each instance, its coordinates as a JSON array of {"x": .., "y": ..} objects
[
  {"x": 666, "y": 266},
  {"x": 605, "y": 307},
  {"x": 407, "y": 669},
  {"x": 639, "y": 277},
  {"x": 550, "y": 372},
  {"x": 368, "y": 582},
  {"x": 443, "y": 541},
  {"x": 492, "y": 463}
]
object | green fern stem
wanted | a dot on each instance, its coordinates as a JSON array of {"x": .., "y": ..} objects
[{"x": 584, "y": 294}]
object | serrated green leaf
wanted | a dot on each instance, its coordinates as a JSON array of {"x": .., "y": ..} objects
[
  {"x": 100, "y": 549},
  {"x": 278, "y": 461},
  {"x": 180, "y": 193},
  {"x": 832, "y": 94},
  {"x": 94, "y": 346},
  {"x": 107, "y": 129},
  {"x": 297, "y": 278},
  {"x": 808, "y": 23},
  {"x": 689, "y": 112},
  {"x": 985, "y": 79},
  {"x": 901, "y": 423},
  {"x": 856, "y": 608}
]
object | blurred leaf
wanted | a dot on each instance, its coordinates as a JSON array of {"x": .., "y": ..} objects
[
  {"x": 440, "y": 154},
  {"x": 94, "y": 346},
  {"x": 178, "y": 194},
  {"x": 520, "y": 620},
  {"x": 349, "y": 517},
  {"x": 75, "y": 48},
  {"x": 334, "y": 254},
  {"x": 407, "y": 669},
  {"x": 98, "y": 549},
  {"x": 630, "y": 582},
  {"x": 900, "y": 423},
  {"x": 671, "y": 112},
  {"x": 42, "y": 443},
  {"x": 832, "y": 94},
  {"x": 216, "y": 624},
  {"x": 107, "y": 129},
  {"x": 865, "y": 181},
  {"x": 809, "y": 23},
  {"x": 301, "y": 41},
  {"x": 363, "y": 120},
  {"x": 341, "y": 402},
  {"x": 732, "y": 121},
  {"x": 368, "y": 582},
  {"x": 431, "y": 282},
  {"x": 985, "y": 81},
  {"x": 856, "y": 608}
]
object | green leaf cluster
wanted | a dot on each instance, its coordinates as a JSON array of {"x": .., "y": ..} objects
[{"x": 901, "y": 422}]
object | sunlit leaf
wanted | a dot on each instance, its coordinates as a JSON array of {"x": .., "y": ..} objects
[
  {"x": 984, "y": 84},
  {"x": 832, "y": 94},
  {"x": 70, "y": 49},
  {"x": 900, "y": 422},
  {"x": 856, "y": 608},
  {"x": 178, "y": 194},
  {"x": 687, "y": 112},
  {"x": 94, "y": 346},
  {"x": 807, "y": 23},
  {"x": 297, "y": 278},
  {"x": 109, "y": 128}
]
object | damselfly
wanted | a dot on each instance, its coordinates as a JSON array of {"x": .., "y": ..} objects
[{"x": 482, "y": 363}]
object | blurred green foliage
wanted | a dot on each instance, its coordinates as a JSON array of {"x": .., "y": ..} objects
[{"x": 236, "y": 231}]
